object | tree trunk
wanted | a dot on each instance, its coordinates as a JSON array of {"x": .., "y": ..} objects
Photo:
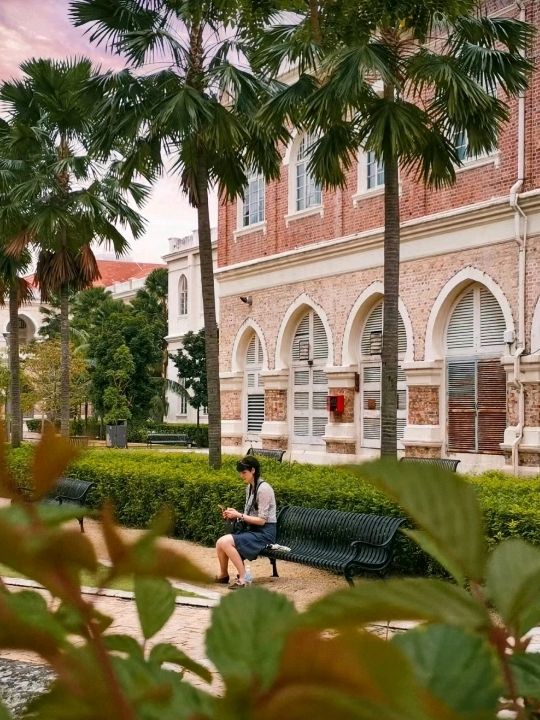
[
  {"x": 64, "y": 361},
  {"x": 14, "y": 368},
  {"x": 391, "y": 310},
  {"x": 210, "y": 324}
]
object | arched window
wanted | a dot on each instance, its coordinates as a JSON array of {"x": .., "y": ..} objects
[
  {"x": 307, "y": 191},
  {"x": 370, "y": 372},
  {"x": 310, "y": 385},
  {"x": 475, "y": 378},
  {"x": 254, "y": 388},
  {"x": 22, "y": 327},
  {"x": 182, "y": 295}
]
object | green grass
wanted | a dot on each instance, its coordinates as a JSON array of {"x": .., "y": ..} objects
[{"x": 92, "y": 580}]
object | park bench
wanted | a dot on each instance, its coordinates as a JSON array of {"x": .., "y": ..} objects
[
  {"x": 267, "y": 452},
  {"x": 155, "y": 438},
  {"x": 346, "y": 543},
  {"x": 80, "y": 441},
  {"x": 444, "y": 463},
  {"x": 67, "y": 491}
]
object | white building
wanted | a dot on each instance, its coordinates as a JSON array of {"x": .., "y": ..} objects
[{"x": 185, "y": 311}]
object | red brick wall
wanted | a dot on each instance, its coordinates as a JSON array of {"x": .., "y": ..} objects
[
  {"x": 231, "y": 404},
  {"x": 275, "y": 405},
  {"x": 347, "y": 416},
  {"x": 423, "y": 405}
]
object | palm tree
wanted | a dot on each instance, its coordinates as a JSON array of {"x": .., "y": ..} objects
[
  {"x": 402, "y": 80},
  {"x": 13, "y": 286},
  {"x": 73, "y": 200},
  {"x": 201, "y": 109}
]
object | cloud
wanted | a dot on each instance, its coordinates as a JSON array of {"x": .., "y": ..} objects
[{"x": 41, "y": 28}]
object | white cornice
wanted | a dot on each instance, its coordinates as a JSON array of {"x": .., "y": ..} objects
[{"x": 370, "y": 242}]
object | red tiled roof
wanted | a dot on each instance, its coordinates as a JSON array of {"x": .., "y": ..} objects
[{"x": 113, "y": 271}]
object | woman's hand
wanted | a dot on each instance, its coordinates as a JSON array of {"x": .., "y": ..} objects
[{"x": 231, "y": 514}]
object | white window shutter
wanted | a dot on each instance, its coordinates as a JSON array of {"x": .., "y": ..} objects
[
  {"x": 255, "y": 396},
  {"x": 492, "y": 323},
  {"x": 460, "y": 331},
  {"x": 320, "y": 341}
]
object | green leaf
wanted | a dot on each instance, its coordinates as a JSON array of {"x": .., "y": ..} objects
[
  {"x": 155, "y": 599},
  {"x": 164, "y": 652},
  {"x": 444, "y": 506},
  {"x": 123, "y": 644},
  {"x": 351, "y": 676},
  {"x": 372, "y": 601},
  {"x": 424, "y": 541},
  {"x": 248, "y": 630},
  {"x": 4, "y": 713},
  {"x": 513, "y": 583},
  {"x": 526, "y": 674},
  {"x": 455, "y": 666}
]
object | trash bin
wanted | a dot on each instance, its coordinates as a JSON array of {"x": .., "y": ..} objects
[{"x": 116, "y": 435}]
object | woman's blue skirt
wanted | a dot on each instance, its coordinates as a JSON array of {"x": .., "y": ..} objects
[{"x": 250, "y": 543}]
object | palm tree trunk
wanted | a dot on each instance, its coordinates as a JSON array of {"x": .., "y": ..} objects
[
  {"x": 389, "y": 355},
  {"x": 210, "y": 324},
  {"x": 14, "y": 368},
  {"x": 64, "y": 361}
]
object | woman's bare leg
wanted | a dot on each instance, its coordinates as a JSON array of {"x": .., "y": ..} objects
[{"x": 226, "y": 550}]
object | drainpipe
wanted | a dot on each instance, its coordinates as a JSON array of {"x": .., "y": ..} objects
[{"x": 520, "y": 236}]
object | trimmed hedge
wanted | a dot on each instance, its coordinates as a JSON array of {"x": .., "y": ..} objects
[{"x": 139, "y": 484}]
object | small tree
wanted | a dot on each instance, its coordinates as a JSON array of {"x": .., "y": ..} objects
[
  {"x": 120, "y": 376},
  {"x": 190, "y": 361}
]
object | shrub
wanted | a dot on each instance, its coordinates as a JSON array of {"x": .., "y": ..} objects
[{"x": 140, "y": 483}]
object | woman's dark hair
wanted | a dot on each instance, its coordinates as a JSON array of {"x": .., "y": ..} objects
[{"x": 249, "y": 463}]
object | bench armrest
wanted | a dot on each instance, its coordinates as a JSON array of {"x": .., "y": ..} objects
[{"x": 372, "y": 544}]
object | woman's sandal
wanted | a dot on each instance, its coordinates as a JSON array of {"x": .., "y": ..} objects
[
  {"x": 223, "y": 580},
  {"x": 237, "y": 584}
]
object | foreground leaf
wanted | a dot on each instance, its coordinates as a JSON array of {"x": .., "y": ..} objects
[
  {"x": 455, "y": 666},
  {"x": 526, "y": 674},
  {"x": 155, "y": 599},
  {"x": 246, "y": 637},
  {"x": 513, "y": 584},
  {"x": 372, "y": 601},
  {"x": 351, "y": 677},
  {"x": 52, "y": 456},
  {"x": 443, "y": 505},
  {"x": 167, "y": 653}
]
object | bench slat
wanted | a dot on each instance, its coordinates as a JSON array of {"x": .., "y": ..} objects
[{"x": 444, "y": 463}]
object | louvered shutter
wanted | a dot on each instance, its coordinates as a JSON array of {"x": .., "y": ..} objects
[
  {"x": 492, "y": 323},
  {"x": 460, "y": 332},
  {"x": 371, "y": 377},
  {"x": 255, "y": 394},
  {"x": 491, "y": 401},
  {"x": 310, "y": 385},
  {"x": 461, "y": 406}
]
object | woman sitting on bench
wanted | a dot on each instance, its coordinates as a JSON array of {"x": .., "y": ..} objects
[{"x": 255, "y": 528}]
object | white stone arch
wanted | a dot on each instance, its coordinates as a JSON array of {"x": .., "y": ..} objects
[
  {"x": 535, "y": 329},
  {"x": 288, "y": 326},
  {"x": 292, "y": 146},
  {"x": 440, "y": 311},
  {"x": 372, "y": 295},
  {"x": 241, "y": 342},
  {"x": 31, "y": 328}
]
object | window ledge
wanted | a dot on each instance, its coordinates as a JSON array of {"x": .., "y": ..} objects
[
  {"x": 300, "y": 214},
  {"x": 365, "y": 194},
  {"x": 493, "y": 159},
  {"x": 248, "y": 229}
]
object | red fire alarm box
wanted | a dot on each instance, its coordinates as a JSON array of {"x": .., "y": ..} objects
[{"x": 335, "y": 403}]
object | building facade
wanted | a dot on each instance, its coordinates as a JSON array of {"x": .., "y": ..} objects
[
  {"x": 185, "y": 314},
  {"x": 310, "y": 264}
]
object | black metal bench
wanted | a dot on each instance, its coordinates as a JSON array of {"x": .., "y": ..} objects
[
  {"x": 67, "y": 491},
  {"x": 155, "y": 438},
  {"x": 444, "y": 463},
  {"x": 275, "y": 454},
  {"x": 347, "y": 543}
]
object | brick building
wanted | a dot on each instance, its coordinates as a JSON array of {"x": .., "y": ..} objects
[{"x": 309, "y": 264}]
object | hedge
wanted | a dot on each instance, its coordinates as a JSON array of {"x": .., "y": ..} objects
[
  {"x": 136, "y": 433},
  {"x": 139, "y": 484}
]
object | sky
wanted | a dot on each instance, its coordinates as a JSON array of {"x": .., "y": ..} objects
[{"x": 41, "y": 28}]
